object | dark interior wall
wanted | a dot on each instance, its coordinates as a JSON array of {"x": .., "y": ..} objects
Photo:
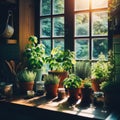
[{"x": 9, "y": 51}]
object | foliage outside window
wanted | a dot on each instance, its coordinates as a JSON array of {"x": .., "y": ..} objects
[
  {"x": 51, "y": 24},
  {"x": 91, "y": 29},
  {"x": 89, "y": 21}
]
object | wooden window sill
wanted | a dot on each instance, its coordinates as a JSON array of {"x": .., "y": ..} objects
[{"x": 60, "y": 107}]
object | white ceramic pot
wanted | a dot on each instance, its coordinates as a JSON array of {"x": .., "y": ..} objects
[{"x": 8, "y": 32}]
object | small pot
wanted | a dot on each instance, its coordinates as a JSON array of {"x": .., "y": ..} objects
[
  {"x": 8, "y": 90},
  {"x": 74, "y": 95},
  {"x": 51, "y": 90},
  {"x": 25, "y": 86},
  {"x": 86, "y": 94},
  {"x": 61, "y": 75}
]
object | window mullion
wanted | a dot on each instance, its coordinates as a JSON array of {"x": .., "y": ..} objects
[
  {"x": 90, "y": 31},
  {"x": 51, "y": 24},
  {"x": 69, "y": 24}
]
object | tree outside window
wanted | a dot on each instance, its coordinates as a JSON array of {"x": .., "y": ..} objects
[{"x": 88, "y": 19}]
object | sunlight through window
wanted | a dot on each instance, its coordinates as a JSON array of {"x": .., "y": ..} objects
[
  {"x": 91, "y": 24},
  {"x": 99, "y": 3}
]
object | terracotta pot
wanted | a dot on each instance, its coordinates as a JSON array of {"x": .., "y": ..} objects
[
  {"x": 51, "y": 90},
  {"x": 96, "y": 85},
  {"x": 61, "y": 75},
  {"x": 74, "y": 95},
  {"x": 25, "y": 86},
  {"x": 86, "y": 94}
]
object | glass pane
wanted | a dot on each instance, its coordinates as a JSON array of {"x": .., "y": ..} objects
[
  {"x": 99, "y": 45},
  {"x": 81, "y": 49},
  {"x": 81, "y": 5},
  {"x": 58, "y": 28},
  {"x": 45, "y": 6},
  {"x": 47, "y": 44},
  {"x": 99, "y": 3},
  {"x": 58, "y": 6},
  {"x": 58, "y": 42},
  {"x": 45, "y": 27},
  {"x": 82, "y": 24},
  {"x": 100, "y": 23}
]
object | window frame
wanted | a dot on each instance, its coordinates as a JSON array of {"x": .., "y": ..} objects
[
  {"x": 90, "y": 37},
  {"x": 69, "y": 31}
]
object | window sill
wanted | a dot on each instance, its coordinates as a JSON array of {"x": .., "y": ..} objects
[{"x": 55, "y": 109}]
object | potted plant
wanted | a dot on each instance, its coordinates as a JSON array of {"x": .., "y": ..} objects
[
  {"x": 34, "y": 56},
  {"x": 61, "y": 62},
  {"x": 86, "y": 92},
  {"x": 111, "y": 90},
  {"x": 26, "y": 80},
  {"x": 86, "y": 83},
  {"x": 82, "y": 69},
  {"x": 51, "y": 83},
  {"x": 72, "y": 84},
  {"x": 102, "y": 70}
]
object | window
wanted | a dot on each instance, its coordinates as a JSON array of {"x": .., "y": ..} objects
[
  {"x": 51, "y": 23},
  {"x": 91, "y": 28},
  {"x": 79, "y": 25}
]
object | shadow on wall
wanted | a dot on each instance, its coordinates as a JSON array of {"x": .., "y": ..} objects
[{"x": 7, "y": 73}]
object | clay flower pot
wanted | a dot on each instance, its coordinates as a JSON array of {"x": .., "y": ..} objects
[
  {"x": 25, "y": 86},
  {"x": 51, "y": 90},
  {"x": 74, "y": 95}
]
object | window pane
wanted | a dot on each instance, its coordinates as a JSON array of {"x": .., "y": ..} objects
[
  {"x": 99, "y": 3},
  {"x": 45, "y": 6},
  {"x": 58, "y": 6},
  {"x": 58, "y": 28},
  {"x": 81, "y": 49},
  {"x": 100, "y": 23},
  {"x": 58, "y": 42},
  {"x": 99, "y": 45},
  {"x": 47, "y": 44},
  {"x": 81, "y": 5},
  {"x": 82, "y": 24},
  {"x": 45, "y": 27}
]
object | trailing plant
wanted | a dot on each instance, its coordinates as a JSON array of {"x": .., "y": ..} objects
[
  {"x": 72, "y": 81},
  {"x": 51, "y": 79}
]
